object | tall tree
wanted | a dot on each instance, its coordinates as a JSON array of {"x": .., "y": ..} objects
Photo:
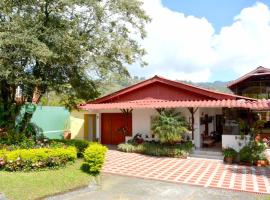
[{"x": 67, "y": 46}]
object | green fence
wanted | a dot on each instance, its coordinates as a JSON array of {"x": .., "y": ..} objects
[{"x": 52, "y": 120}]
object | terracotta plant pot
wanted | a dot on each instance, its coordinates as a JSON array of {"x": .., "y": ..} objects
[
  {"x": 228, "y": 160},
  {"x": 67, "y": 135},
  {"x": 262, "y": 163}
]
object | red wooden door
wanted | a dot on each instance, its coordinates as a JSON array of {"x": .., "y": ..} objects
[
  {"x": 106, "y": 129},
  {"x": 111, "y": 126},
  {"x": 116, "y": 129}
]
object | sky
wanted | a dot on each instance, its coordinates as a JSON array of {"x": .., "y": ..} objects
[{"x": 205, "y": 40}]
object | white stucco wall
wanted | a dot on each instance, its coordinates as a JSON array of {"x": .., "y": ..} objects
[
  {"x": 234, "y": 141},
  {"x": 141, "y": 121}
]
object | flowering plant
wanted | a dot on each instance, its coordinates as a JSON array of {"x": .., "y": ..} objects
[{"x": 266, "y": 142}]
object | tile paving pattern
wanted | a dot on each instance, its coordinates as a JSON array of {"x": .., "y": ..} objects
[{"x": 201, "y": 172}]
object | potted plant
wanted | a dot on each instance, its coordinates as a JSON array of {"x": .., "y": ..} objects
[
  {"x": 229, "y": 155},
  {"x": 261, "y": 160}
]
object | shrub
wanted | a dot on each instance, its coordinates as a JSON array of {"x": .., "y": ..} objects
[
  {"x": 35, "y": 159},
  {"x": 94, "y": 156},
  {"x": 177, "y": 150},
  {"x": 158, "y": 149},
  {"x": 169, "y": 126},
  {"x": 13, "y": 138},
  {"x": 80, "y": 145},
  {"x": 130, "y": 148},
  {"x": 229, "y": 152}
]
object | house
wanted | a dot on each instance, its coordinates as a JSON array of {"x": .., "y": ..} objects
[{"x": 114, "y": 118}]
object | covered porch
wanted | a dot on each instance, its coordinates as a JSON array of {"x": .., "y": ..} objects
[{"x": 210, "y": 122}]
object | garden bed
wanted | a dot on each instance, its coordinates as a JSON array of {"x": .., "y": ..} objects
[
  {"x": 47, "y": 168},
  {"x": 52, "y": 154},
  {"x": 36, "y": 159},
  {"x": 180, "y": 150}
]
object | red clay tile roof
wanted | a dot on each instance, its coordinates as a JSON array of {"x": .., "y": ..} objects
[
  {"x": 157, "y": 103},
  {"x": 259, "y": 71}
]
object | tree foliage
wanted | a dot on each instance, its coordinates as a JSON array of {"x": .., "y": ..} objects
[
  {"x": 169, "y": 126},
  {"x": 66, "y": 46}
]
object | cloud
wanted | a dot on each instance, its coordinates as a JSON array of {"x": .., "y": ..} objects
[
  {"x": 245, "y": 44},
  {"x": 187, "y": 47}
]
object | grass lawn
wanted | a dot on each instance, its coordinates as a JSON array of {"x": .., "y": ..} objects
[{"x": 33, "y": 185}]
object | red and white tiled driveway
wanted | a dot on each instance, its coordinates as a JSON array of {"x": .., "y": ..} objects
[{"x": 202, "y": 172}]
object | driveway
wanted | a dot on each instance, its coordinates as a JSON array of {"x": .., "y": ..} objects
[
  {"x": 115, "y": 187},
  {"x": 200, "y": 172}
]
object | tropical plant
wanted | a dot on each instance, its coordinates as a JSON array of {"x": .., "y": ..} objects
[{"x": 169, "y": 126}]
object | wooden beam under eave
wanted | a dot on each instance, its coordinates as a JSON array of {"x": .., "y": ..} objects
[{"x": 192, "y": 112}]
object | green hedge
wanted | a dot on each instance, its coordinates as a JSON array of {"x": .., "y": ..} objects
[
  {"x": 35, "y": 159},
  {"x": 156, "y": 149},
  {"x": 94, "y": 157},
  {"x": 80, "y": 145}
]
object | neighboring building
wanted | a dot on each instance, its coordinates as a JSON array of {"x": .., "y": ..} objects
[
  {"x": 116, "y": 117},
  {"x": 255, "y": 84}
]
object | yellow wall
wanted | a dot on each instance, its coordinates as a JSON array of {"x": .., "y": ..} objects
[{"x": 77, "y": 124}]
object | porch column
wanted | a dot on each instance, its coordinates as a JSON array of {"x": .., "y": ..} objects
[
  {"x": 98, "y": 126},
  {"x": 197, "y": 131}
]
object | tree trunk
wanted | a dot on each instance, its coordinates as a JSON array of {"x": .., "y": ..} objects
[{"x": 10, "y": 109}]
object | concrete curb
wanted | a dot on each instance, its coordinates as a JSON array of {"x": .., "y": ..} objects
[
  {"x": 95, "y": 184},
  {"x": 2, "y": 196}
]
